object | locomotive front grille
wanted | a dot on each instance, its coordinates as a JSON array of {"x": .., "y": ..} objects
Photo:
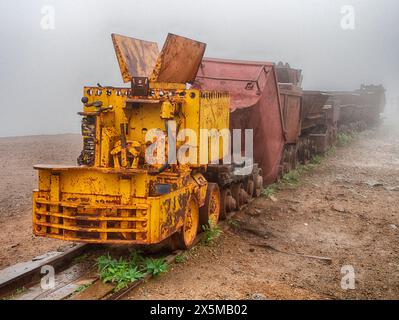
[{"x": 90, "y": 223}]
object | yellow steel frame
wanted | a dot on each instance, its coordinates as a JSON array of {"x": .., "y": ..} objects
[{"x": 105, "y": 204}]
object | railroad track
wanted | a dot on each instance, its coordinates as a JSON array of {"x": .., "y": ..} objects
[
  {"x": 123, "y": 293},
  {"x": 75, "y": 270},
  {"x": 20, "y": 275}
]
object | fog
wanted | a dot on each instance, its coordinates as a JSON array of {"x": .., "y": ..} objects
[{"x": 42, "y": 71}]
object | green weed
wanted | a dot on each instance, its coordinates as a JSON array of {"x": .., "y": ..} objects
[
  {"x": 122, "y": 272},
  {"x": 155, "y": 266},
  {"x": 20, "y": 290},
  {"x": 291, "y": 178},
  {"x": 80, "y": 258},
  {"x": 82, "y": 288},
  {"x": 234, "y": 223},
  {"x": 331, "y": 151},
  {"x": 136, "y": 258},
  {"x": 211, "y": 233},
  {"x": 269, "y": 191},
  {"x": 316, "y": 159},
  {"x": 181, "y": 258},
  {"x": 119, "y": 272},
  {"x": 343, "y": 139}
]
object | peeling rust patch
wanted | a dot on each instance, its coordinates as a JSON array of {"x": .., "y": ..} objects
[{"x": 174, "y": 212}]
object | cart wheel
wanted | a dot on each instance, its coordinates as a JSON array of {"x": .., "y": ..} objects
[
  {"x": 258, "y": 185},
  {"x": 184, "y": 239},
  {"x": 227, "y": 203},
  {"x": 236, "y": 192},
  {"x": 250, "y": 188},
  {"x": 210, "y": 211}
]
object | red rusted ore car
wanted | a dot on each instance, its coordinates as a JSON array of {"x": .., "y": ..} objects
[
  {"x": 255, "y": 104},
  {"x": 310, "y": 118},
  {"x": 290, "y": 81}
]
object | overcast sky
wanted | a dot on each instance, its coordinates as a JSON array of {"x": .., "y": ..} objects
[{"x": 42, "y": 71}]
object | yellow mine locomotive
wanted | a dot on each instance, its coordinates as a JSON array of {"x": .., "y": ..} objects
[{"x": 151, "y": 167}]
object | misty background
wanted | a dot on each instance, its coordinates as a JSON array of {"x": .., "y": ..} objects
[{"x": 42, "y": 71}]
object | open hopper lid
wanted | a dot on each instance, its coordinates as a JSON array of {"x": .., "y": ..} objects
[
  {"x": 178, "y": 61},
  {"x": 136, "y": 58}
]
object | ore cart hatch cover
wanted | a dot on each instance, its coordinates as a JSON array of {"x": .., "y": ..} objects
[{"x": 136, "y": 58}]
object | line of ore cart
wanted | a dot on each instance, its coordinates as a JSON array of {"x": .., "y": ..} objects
[{"x": 291, "y": 124}]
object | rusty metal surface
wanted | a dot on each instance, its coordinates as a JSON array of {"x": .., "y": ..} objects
[
  {"x": 351, "y": 106},
  {"x": 373, "y": 97},
  {"x": 179, "y": 60},
  {"x": 349, "y": 113},
  {"x": 347, "y": 97},
  {"x": 332, "y": 108},
  {"x": 286, "y": 74},
  {"x": 290, "y": 81},
  {"x": 291, "y": 103},
  {"x": 136, "y": 58},
  {"x": 255, "y": 104},
  {"x": 364, "y": 104},
  {"x": 320, "y": 141},
  {"x": 312, "y": 108}
]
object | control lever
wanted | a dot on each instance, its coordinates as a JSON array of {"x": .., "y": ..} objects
[
  {"x": 106, "y": 108},
  {"x": 97, "y": 104}
]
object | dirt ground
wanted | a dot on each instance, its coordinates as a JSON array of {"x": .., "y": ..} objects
[
  {"x": 17, "y": 180},
  {"x": 345, "y": 209}
]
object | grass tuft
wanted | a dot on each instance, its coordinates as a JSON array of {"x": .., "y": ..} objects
[
  {"x": 82, "y": 288},
  {"x": 20, "y": 290},
  {"x": 234, "y": 223},
  {"x": 119, "y": 272},
  {"x": 331, "y": 151},
  {"x": 80, "y": 258},
  {"x": 211, "y": 233},
  {"x": 181, "y": 258},
  {"x": 316, "y": 159},
  {"x": 291, "y": 178},
  {"x": 343, "y": 139},
  {"x": 269, "y": 191},
  {"x": 122, "y": 272},
  {"x": 155, "y": 266}
]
